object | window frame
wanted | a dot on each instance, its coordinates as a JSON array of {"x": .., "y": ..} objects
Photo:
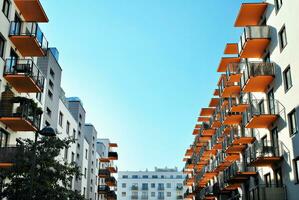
[
  {"x": 287, "y": 71},
  {"x": 6, "y": 2},
  {"x": 290, "y": 122},
  {"x": 280, "y": 37},
  {"x": 296, "y": 172},
  {"x": 278, "y": 4},
  {"x": 2, "y": 46}
]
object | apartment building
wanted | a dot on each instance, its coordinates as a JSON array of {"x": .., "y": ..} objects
[
  {"x": 162, "y": 183},
  {"x": 32, "y": 97},
  {"x": 107, "y": 184},
  {"x": 246, "y": 141}
]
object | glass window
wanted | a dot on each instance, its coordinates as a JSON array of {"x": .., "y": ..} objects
[
  {"x": 267, "y": 178},
  {"x": 278, "y": 4},
  {"x": 125, "y": 176},
  {"x": 145, "y": 176},
  {"x": 153, "y": 185},
  {"x": 123, "y": 185},
  {"x": 5, "y": 8},
  {"x": 168, "y": 194},
  {"x": 282, "y": 38},
  {"x": 3, "y": 138},
  {"x": 52, "y": 73},
  {"x": 49, "y": 112},
  {"x": 168, "y": 185},
  {"x": 292, "y": 122},
  {"x": 287, "y": 78},
  {"x": 135, "y": 176},
  {"x": 50, "y": 94},
  {"x": 68, "y": 127},
  {"x": 154, "y": 176},
  {"x": 60, "y": 119},
  {"x": 2, "y": 45},
  {"x": 144, "y": 186},
  {"x": 160, "y": 195},
  {"x": 296, "y": 166},
  {"x": 278, "y": 177},
  {"x": 161, "y": 186},
  {"x": 123, "y": 194},
  {"x": 153, "y": 194}
]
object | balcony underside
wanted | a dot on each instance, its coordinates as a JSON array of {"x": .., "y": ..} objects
[
  {"x": 254, "y": 48},
  {"x": 239, "y": 108},
  {"x": 28, "y": 46},
  {"x": 243, "y": 140},
  {"x": 31, "y": 10},
  {"x": 265, "y": 161},
  {"x": 232, "y": 157},
  {"x": 235, "y": 149},
  {"x": 241, "y": 177},
  {"x": 222, "y": 166},
  {"x": 209, "y": 197},
  {"x": 112, "y": 169},
  {"x": 204, "y": 139},
  {"x": 234, "y": 77},
  {"x": 217, "y": 146},
  {"x": 261, "y": 121},
  {"x": 231, "y": 91},
  {"x": 233, "y": 119},
  {"x": 216, "y": 124},
  {"x": 190, "y": 166},
  {"x": 203, "y": 119},
  {"x": 214, "y": 102},
  {"x": 225, "y": 61},
  {"x": 18, "y": 124},
  {"x": 104, "y": 160},
  {"x": 208, "y": 132},
  {"x": 111, "y": 183},
  {"x": 113, "y": 158},
  {"x": 6, "y": 165},
  {"x": 250, "y": 14},
  {"x": 207, "y": 111},
  {"x": 232, "y": 187},
  {"x": 23, "y": 83},
  {"x": 257, "y": 84}
]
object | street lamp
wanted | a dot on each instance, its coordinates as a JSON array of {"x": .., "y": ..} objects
[{"x": 47, "y": 132}]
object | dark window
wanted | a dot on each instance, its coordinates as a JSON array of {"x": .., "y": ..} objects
[
  {"x": 2, "y": 45},
  {"x": 267, "y": 178},
  {"x": 49, "y": 112},
  {"x": 60, "y": 118},
  {"x": 296, "y": 166},
  {"x": 144, "y": 176},
  {"x": 271, "y": 101},
  {"x": 86, "y": 153},
  {"x": 50, "y": 94},
  {"x": 3, "y": 138},
  {"x": 153, "y": 185},
  {"x": 51, "y": 83},
  {"x": 68, "y": 127},
  {"x": 278, "y": 177},
  {"x": 134, "y": 176},
  {"x": 47, "y": 123},
  {"x": 287, "y": 78},
  {"x": 74, "y": 133},
  {"x": 282, "y": 38},
  {"x": 125, "y": 176},
  {"x": 292, "y": 122},
  {"x": 5, "y": 8},
  {"x": 85, "y": 170},
  {"x": 52, "y": 73},
  {"x": 278, "y": 4},
  {"x": 154, "y": 176}
]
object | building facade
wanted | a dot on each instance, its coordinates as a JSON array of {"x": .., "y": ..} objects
[
  {"x": 162, "y": 183},
  {"x": 246, "y": 141}
]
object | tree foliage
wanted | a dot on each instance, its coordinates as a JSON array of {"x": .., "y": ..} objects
[{"x": 52, "y": 177}]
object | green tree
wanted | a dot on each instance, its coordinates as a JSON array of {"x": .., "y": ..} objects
[{"x": 52, "y": 178}]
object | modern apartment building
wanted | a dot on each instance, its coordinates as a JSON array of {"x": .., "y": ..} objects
[
  {"x": 32, "y": 97},
  {"x": 246, "y": 139},
  {"x": 107, "y": 184},
  {"x": 162, "y": 183}
]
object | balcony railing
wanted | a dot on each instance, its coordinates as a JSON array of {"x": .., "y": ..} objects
[
  {"x": 238, "y": 140},
  {"x": 233, "y": 71},
  {"x": 111, "y": 195},
  {"x": 110, "y": 181},
  {"x": 238, "y": 172},
  {"x": 254, "y": 41},
  {"x": 134, "y": 197},
  {"x": 103, "y": 173},
  {"x": 230, "y": 118},
  {"x": 20, "y": 113},
  {"x": 24, "y": 75},
  {"x": 113, "y": 155},
  {"x": 270, "y": 191},
  {"x": 103, "y": 189},
  {"x": 8, "y": 155},
  {"x": 134, "y": 187},
  {"x": 262, "y": 113},
  {"x": 28, "y": 38},
  {"x": 229, "y": 89},
  {"x": 257, "y": 76},
  {"x": 265, "y": 153}
]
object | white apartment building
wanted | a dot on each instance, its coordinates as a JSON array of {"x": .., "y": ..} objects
[
  {"x": 246, "y": 143},
  {"x": 162, "y": 183}
]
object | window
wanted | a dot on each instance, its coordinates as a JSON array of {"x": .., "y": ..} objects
[
  {"x": 267, "y": 178},
  {"x": 84, "y": 191},
  {"x": 78, "y": 156},
  {"x": 161, "y": 186},
  {"x": 296, "y": 166},
  {"x": 168, "y": 194},
  {"x": 3, "y": 138},
  {"x": 50, "y": 94},
  {"x": 47, "y": 123},
  {"x": 123, "y": 185},
  {"x": 66, "y": 152},
  {"x": 73, "y": 156},
  {"x": 68, "y": 127},
  {"x": 179, "y": 176},
  {"x": 78, "y": 145},
  {"x": 86, "y": 152},
  {"x": 52, "y": 73},
  {"x": 49, "y": 112},
  {"x": 123, "y": 194},
  {"x": 168, "y": 185},
  {"x": 154, "y": 176},
  {"x": 125, "y": 176},
  {"x": 60, "y": 119},
  {"x": 79, "y": 125},
  {"x": 160, "y": 195},
  {"x": 85, "y": 170},
  {"x": 153, "y": 194},
  {"x": 2, "y": 45},
  {"x": 135, "y": 176},
  {"x": 74, "y": 133},
  {"x": 278, "y": 4},
  {"x": 278, "y": 177},
  {"x": 144, "y": 186},
  {"x": 51, "y": 83},
  {"x": 292, "y": 122},
  {"x": 282, "y": 38},
  {"x": 153, "y": 185},
  {"x": 145, "y": 176},
  {"x": 287, "y": 78},
  {"x": 5, "y": 8},
  {"x": 271, "y": 101},
  {"x": 79, "y": 133}
]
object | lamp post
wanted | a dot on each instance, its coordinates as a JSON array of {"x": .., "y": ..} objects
[{"x": 47, "y": 132}]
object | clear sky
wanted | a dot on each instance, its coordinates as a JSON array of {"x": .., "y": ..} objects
[{"x": 143, "y": 68}]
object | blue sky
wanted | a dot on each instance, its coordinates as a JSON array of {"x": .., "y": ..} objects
[{"x": 143, "y": 68}]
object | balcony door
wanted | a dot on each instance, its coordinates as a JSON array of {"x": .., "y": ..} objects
[
  {"x": 3, "y": 138},
  {"x": 271, "y": 100},
  {"x": 267, "y": 179},
  {"x": 274, "y": 141}
]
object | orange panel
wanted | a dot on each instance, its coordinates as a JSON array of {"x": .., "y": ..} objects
[
  {"x": 250, "y": 14},
  {"x": 113, "y": 145},
  {"x": 207, "y": 111},
  {"x": 244, "y": 140},
  {"x": 239, "y": 108},
  {"x": 254, "y": 48},
  {"x": 216, "y": 124},
  {"x": 257, "y": 84},
  {"x": 261, "y": 121},
  {"x": 18, "y": 124},
  {"x": 196, "y": 132},
  {"x": 234, "y": 78},
  {"x": 197, "y": 126},
  {"x": 27, "y": 46},
  {"x": 214, "y": 102},
  {"x": 216, "y": 92},
  {"x": 265, "y": 161},
  {"x": 208, "y": 132},
  {"x": 104, "y": 160},
  {"x": 235, "y": 149},
  {"x": 5, "y": 165},
  {"x": 232, "y": 119},
  {"x": 23, "y": 84},
  {"x": 225, "y": 61},
  {"x": 203, "y": 119},
  {"x": 31, "y": 10},
  {"x": 231, "y": 91},
  {"x": 112, "y": 169}
]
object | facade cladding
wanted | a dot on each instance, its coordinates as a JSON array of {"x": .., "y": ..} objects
[
  {"x": 158, "y": 184},
  {"x": 31, "y": 71},
  {"x": 245, "y": 143}
]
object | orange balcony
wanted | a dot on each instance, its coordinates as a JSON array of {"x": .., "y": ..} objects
[
  {"x": 112, "y": 169},
  {"x": 228, "y": 89},
  {"x": 111, "y": 181},
  {"x": 230, "y": 118},
  {"x": 237, "y": 105},
  {"x": 214, "y": 102},
  {"x": 28, "y": 39},
  {"x": 231, "y": 48},
  {"x": 207, "y": 112},
  {"x": 203, "y": 119},
  {"x": 234, "y": 71},
  {"x": 24, "y": 75},
  {"x": 216, "y": 92},
  {"x": 250, "y": 14},
  {"x": 113, "y": 145},
  {"x": 189, "y": 164},
  {"x": 265, "y": 154},
  {"x": 207, "y": 130},
  {"x": 262, "y": 113},
  {"x": 225, "y": 61},
  {"x": 31, "y": 10},
  {"x": 254, "y": 41},
  {"x": 257, "y": 76},
  {"x": 104, "y": 160},
  {"x": 8, "y": 156},
  {"x": 19, "y": 113},
  {"x": 104, "y": 173}
]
